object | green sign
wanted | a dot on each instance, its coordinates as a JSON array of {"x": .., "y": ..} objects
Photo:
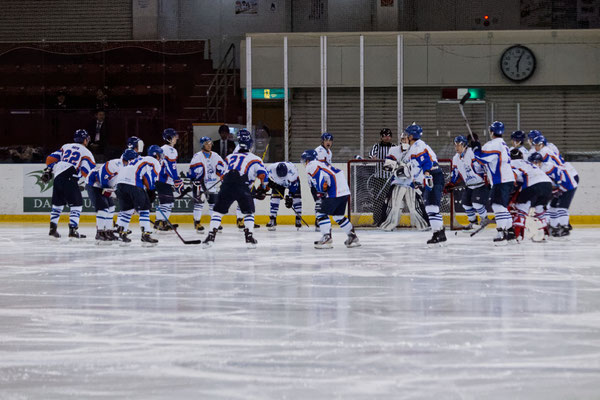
[
  {"x": 267, "y": 94},
  {"x": 477, "y": 94}
]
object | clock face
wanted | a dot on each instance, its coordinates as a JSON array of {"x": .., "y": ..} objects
[{"x": 517, "y": 63}]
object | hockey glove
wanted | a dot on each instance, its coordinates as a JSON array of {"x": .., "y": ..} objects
[
  {"x": 108, "y": 192},
  {"x": 289, "y": 202},
  {"x": 428, "y": 182},
  {"x": 450, "y": 186},
  {"x": 183, "y": 192},
  {"x": 260, "y": 193},
  {"x": 390, "y": 165},
  {"x": 178, "y": 185},
  {"x": 556, "y": 192},
  {"x": 47, "y": 175},
  {"x": 475, "y": 145}
]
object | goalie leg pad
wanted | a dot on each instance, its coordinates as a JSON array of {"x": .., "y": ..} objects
[
  {"x": 395, "y": 206},
  {"x": 418, "y": 215}
]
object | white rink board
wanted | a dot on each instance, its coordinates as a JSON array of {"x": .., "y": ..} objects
[
  {"x": 388, "y": 320},
  {"x": 15, "y": 184}
]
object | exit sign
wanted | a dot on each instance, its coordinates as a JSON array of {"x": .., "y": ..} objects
[
  {"x": 267, "y": 94},
  {"x": 458, "y": 93}
]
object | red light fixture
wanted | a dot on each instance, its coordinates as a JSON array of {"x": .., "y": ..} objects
[{"x": 486, "y": 17}]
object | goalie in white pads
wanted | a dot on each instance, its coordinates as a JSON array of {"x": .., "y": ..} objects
[
  {"x": 467, "y": 168},
  {"x": 332, "y": 188},
  {"x": 206, "y": 170},
  {"x": 282, "y": 176},
  {"x": 403, "y": 192}
]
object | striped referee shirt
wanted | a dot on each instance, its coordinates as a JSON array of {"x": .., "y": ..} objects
[{"x": 379, "y": 151}]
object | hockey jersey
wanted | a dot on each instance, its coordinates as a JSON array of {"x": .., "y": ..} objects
[
  {"x": 400, "y": 156},
  {"x": 168, "y": 171},
  {"x": 291, "y": 180},
  {"x": 557, "y": 156},
  {"x": 560, "y": 176},
  {"x": 469, "y": 168},
  {"x": 496, "y": 158},
  {"x": 326, "y": 178},
  {"x": 248, "y": 165},
  {"x": 323, "y": 154},
  {"x": 527, "y": 174},
  {"x": 105, "y": 175},
  {"x": 142, "y": 172},
  {"x": 422, "y": 158},
  {"x": 208, "y": 167},
  {"x": 72, "y": 155}
]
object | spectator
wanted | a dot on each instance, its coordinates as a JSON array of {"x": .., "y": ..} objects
[
  {"x": 223, "y": 146},
  {"x": 60, "y": 103},
  {"x": 98, "y": 132},
  {"x": 101, "y": 100}
]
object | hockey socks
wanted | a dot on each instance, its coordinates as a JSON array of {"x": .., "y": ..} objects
[
  {"x": 145, "y": 220},
  {"x": 55, "y": 214},
  {"x": 124, "y": 218},
  {"x": 215, "y": 221},
  {"x": 103, "y": 219},
  {"x": 198, "y": 207},
  {"x": 274, "y": 206},
  {"x": 503, "y": 217},
  {"x": 166, "y": 210},
  {"x": 248, "y": 222},
  {"x": 344, "y": 223},
  {"x": 75, "y": 214},
  {"x": 435, "y": 218},
  {"x": 324, "y": 223}
]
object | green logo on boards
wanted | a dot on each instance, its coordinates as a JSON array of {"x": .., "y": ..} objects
[{"x": 37, "y": 175}]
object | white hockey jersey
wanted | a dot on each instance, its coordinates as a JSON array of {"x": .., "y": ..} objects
[
  {"x": 422, "y": 158},
  {"x": 469, "y": 168},
  {"x": 142, "y": 172},
  {"x": 496, "y": 158},
  {"x": 400, "y": 156},
  {"x": 560, "y": 176},
  {"x": 207, "y": 166},
  {"x": 72, "y": 155},
  {"x": 105, "y": 175},
  {"x": 323, "y": 154},
  {"x": 568, "y": 166},
  {"x": 286, "y": 181},
  {"x": 248, "y": 165},
  {"x": 168, "y": 172},
  {"x": 326, "y": 178},
  {"x": 528, "y": 174}
]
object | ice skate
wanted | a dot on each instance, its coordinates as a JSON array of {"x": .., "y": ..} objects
[
  {"x": 298, "y": 222},
  {"x": 352, "y": 240},
  {"x": 438, "y": 239},
  {"x": 198, "y": 227},
  {"x": 101, "y": 238},
  {"x": 240, "y": 223},
  {"x": 53, "y": 231},
  {"x": 210, "y": 239},
  {"x": 272, "y": 223},
  {"x": 74, "y": 234},
  {"x": 325, "y": 242},
  {"x": 501, "y": 238},
  {"x": 250, "y": 241},
  {"x": 123, "y": 235},
  {"x": 147, "y": 240}
]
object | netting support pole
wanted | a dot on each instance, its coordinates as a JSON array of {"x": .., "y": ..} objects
[
  {"x": 400, "y": 84},
  {"x": 249, "y": 83},
  {"x": 362, "y": 96},
  {"x": 323, "y": 84},
  {"x": 286, "y": 111},
  {"x": 518, "y": 116}
]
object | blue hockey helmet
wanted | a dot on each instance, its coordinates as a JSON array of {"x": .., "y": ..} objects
[
  {"x": 539, "y": 140},
  {"x": 308, "y": 155},
  {"x": 326, "y": 136},
  {"x": 461, "y": 139},
  {"x": 80, "y": 136},
  {"x": 135, "y": 143},
  {"x": 242, "y": 133},
  {"x": 414, "y": 130},
  {"x": 204, "y": 139},
  {"x": 169, "y": 134},
  {"x": 155, "y": 150},
  {"x": 281, "y": 170},
  {"x": 535, "y": 157},
  {"x": 533, "y": 134},
  {"x": 129, "y": 155},
  {"x": 497, "y": 128},
  {"x": 518, "y": 136},
  {"x": 245, "y": 142}
]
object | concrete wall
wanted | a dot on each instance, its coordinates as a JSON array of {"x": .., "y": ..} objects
[{"x": 468, "y": 59}]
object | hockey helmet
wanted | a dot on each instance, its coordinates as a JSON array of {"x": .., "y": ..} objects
[
  {"x": 129, "y": 155},
  {"x": 497, "y": 128},
  {"x": 245, "y": 142},
  {"x": 169, "y": 134},
  {"x": 414, "y": 130},
  {"x": 461, "y": 139},
  {"x": 281, "y": 170},
  {"x": 204, "y": 139},
  {"x": 155, "y": 150},
  {"x": 535, "y": 157},
  {"x": 385, "y": 132},
  {"x": 518, "y": 136},
  {"x": 326, "y": 136},
  {"x": 533, "y": 134},
  {"x": 80, "y": 136},
  {"x": 539, "y": 140},
  {"x": 308, "y": 155},
  {"x": 135, "y": 143},
  {"x": 515, "y": 154}
]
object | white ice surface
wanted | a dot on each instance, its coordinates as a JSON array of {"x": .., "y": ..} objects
[{"x": 389, "y": 320}]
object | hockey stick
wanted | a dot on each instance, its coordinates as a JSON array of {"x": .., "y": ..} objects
[
  {"x": 461, "y": 104},
  {"x": 295, "y": 212},
  {"x": 482, "y": 227},
  {"x": 175, "y": 230}
]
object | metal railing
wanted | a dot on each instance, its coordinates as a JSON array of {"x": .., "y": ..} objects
[{"x": 217, "y": 92}]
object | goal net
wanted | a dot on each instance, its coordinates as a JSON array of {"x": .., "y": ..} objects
[{"x": 370, "y": 188}]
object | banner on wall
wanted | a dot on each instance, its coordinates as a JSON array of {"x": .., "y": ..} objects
[
  {"x": 246, "y": 6},
  {"x": 37, "y": 195}
]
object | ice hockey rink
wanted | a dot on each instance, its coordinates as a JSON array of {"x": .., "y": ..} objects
[{"x": 392, "y": 319}]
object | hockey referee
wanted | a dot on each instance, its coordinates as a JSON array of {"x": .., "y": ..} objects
[{"x": 379, "y": 151}]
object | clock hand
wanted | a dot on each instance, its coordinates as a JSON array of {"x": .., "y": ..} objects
[{"x": 519, "y": 60}]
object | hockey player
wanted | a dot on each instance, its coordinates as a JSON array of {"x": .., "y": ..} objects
[
  {"x": 403, "y": 192},
  {"x": 282, "y": 176},
  {"x": 426, "y": 174},
  {"x": 324, "y": 153},
  {"x": 332, "y": 187},
  {"x": 518, "y": 142},
  {"x": 496, "y": 158},
  {"x": 100, "y": 185},
  {"x": 564, "y": 189},
  {"x": 466, "y": 168},
  {"x": 535, "y": 191},
  {"x": 135, "y": 179},
  {"x": 68, "y": 165},
  {"x": 550, "y": 152},
  {"x": 242, "y": 169},
  {"x": 167, "y": 181},
  {"x": 244, "y": 133},
  {"x": 206, "y": 170}
]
